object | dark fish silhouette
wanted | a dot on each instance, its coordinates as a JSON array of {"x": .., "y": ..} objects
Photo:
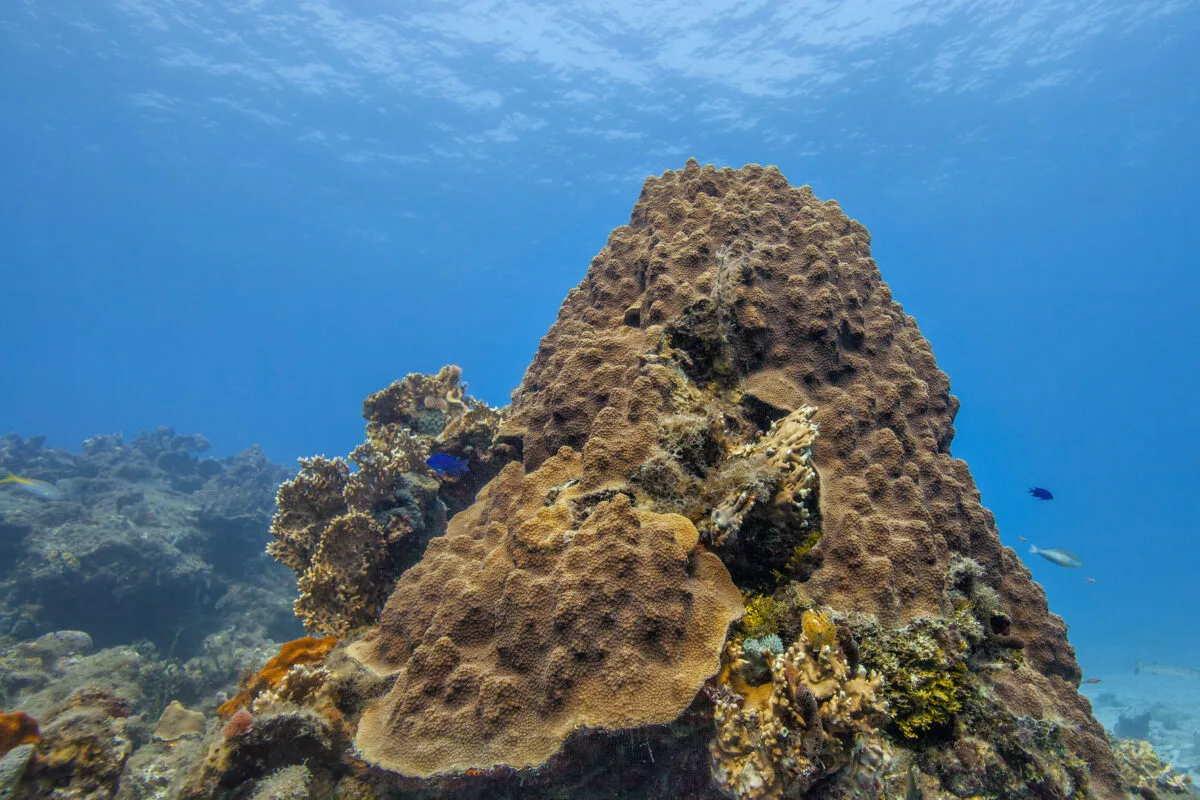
[
  {"x": 1041, "y": 494},
  {"x": 445, "y": 464}
]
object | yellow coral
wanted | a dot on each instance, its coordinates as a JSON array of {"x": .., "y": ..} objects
[
  {"x": 819, "y": 631},
  {"x": 929, "y": 699},
  {"x": 763, "y": 616}
]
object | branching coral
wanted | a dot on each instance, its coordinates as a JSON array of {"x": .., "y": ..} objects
[
  {"x": 348, "y": 529},
  {"x": 779, "y": 739}
]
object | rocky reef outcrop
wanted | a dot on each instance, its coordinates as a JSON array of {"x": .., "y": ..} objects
[{"x": 149, "y": 542}]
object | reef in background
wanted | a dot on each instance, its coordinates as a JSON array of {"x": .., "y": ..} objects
[
  {"x": 144, "y": 586},
  {"x": 149, "y": 543}
]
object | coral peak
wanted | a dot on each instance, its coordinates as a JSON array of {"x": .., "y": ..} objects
[{"x": 732, "y": 284}]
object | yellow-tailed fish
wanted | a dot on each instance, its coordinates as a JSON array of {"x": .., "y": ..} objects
[{"x": 34, "y": 486}]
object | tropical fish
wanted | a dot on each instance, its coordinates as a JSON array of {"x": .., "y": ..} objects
[
  {"x": 1022, "y": 538},
  {"x": 445, "y": 464},
  {"x": 1041, "y": 494},
  {"x": 1064, "y": 558},
  {"x": 1091, "y": 580},
  {"x": 34, "y": 486},
  {"x": 1091, "y": 680},
  {"x": 1166, "y": 669}
]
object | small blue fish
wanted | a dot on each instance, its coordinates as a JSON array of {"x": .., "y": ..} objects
[
  {"x": 1041, "y": 494},
  {"x": 34, "y": 486},
  {"x": 1064, "y": 558},
  {"x": 445, "y": 464}
]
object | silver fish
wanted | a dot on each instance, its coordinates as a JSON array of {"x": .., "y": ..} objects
[
  {"x": 1166, "y": 669},
  {"x": 1064, "y": 558}
]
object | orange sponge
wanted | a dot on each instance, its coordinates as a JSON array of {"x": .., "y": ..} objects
[
  {"x": 299, "y": 651},
  {"x": 17, "y": 728}
]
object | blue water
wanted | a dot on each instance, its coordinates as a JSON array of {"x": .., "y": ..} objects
[{"x": 240, "y": 218}]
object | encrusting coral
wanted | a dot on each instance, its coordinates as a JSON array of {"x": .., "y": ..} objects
[
  {"x": 17, "y": 728},
  {"x": 784, "y": 485},
  {"x": 540, "y": 611},
  {"x": 778, "y": 739},
  {"x": 348, "y": 532}
]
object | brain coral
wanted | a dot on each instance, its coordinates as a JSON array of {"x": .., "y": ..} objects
[{"x": 543, "y": 608}]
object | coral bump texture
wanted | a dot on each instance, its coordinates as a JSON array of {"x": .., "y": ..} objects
[
  {"x": 739, "y": 280},
  {"x": 540, "y": 611}
]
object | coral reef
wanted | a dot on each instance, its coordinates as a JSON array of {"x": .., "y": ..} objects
[
  {"x": 812, "y": 720},
  {"x": 150, "y": 542},
  {"x": 1144, "y": 773},
  {"x": 730, "y": 420},
  {"x": 730, "y": 289},
  {"x": 545, "y": 608},
  {"x": 83, "y": 748},
  {"x": 349, "y": 534}
]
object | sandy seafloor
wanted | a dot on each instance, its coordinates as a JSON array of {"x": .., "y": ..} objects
[{"x": 1174, "y": 706}]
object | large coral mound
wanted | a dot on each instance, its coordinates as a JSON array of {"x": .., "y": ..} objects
[
  {"x": 734, "y": 285},
  {"x": 543, "y": 609}
]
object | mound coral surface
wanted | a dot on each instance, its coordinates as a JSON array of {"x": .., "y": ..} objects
[
  {"x": 543, "y": 609},
  {"x": 734, "y": 289}
]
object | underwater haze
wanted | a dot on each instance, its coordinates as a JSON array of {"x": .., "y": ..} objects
[{"x": 241, "y": 218}]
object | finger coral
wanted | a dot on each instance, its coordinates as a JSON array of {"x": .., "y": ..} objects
[
  {"x": 542, "y": 610},
  {"x": 779, "y": 739}
]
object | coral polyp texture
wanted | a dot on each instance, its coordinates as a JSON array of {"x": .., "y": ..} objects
[
  {"x": 734, "y": 297},
  {"x": 349, "y": 528},
  {"x": 543, "y": 609}
]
